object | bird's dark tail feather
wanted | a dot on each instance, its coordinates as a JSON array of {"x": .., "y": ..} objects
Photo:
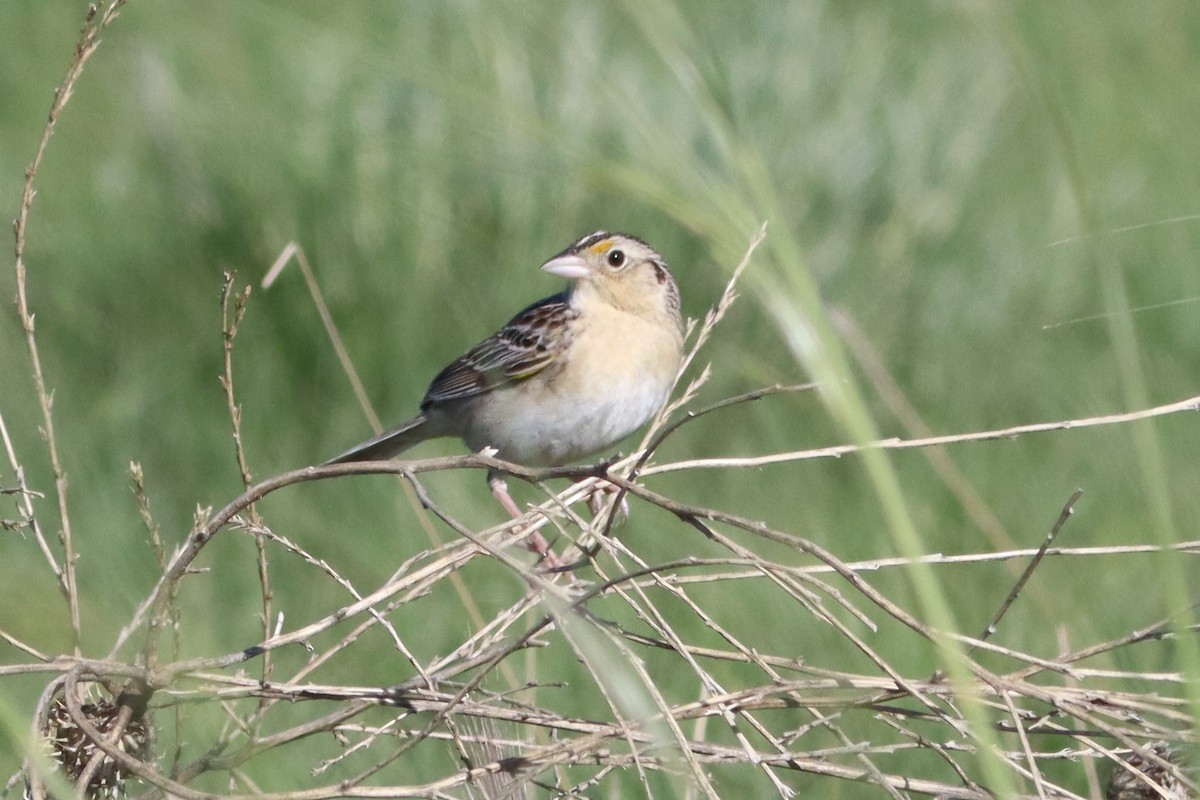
[{"x": 387, "y": 444}]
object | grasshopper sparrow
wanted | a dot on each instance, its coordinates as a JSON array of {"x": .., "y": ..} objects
[{"x": 567, "y": 377}]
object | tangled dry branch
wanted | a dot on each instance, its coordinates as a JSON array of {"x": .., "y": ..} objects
[{"x": 689, "y": 693}]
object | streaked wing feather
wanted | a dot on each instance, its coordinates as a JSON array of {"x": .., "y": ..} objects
[{"x": 525, "y": 346}]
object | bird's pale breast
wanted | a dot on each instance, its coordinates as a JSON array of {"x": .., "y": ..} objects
[{"x": 614, "y": 377}]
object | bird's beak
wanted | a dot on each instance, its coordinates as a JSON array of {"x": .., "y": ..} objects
[{"x": 571, "y": 267}]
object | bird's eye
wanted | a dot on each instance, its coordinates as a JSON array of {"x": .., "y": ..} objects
[{"x": 616, "y": 258}]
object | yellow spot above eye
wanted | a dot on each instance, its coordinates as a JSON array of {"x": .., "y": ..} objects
[{"x": 601, "y": 247}]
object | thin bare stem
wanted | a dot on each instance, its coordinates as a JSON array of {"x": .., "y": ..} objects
[
  {"x": 293, "y": 251},
  {"x": 230, "y": 322},
  {"x": 1063, "y": 516},
  {"x": 94, "y": 22},
  {"x": 837, "y": 451},
  {"x": 25, "y": 504}
]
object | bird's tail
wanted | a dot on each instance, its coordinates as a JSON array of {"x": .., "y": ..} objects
[{"x": 387, "y": 444}]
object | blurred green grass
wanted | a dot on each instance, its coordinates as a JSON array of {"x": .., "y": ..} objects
[{"x": 956, "y": 178}]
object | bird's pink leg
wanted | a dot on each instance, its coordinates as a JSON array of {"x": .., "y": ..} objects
[
  {"x": 596, "y": 501},
  {"x": 534, "y": 541}
]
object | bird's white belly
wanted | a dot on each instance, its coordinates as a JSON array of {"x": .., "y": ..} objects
[{"x": 564, "y": 426}]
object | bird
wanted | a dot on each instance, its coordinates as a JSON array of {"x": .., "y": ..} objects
[{"x": 567, "y": 377}]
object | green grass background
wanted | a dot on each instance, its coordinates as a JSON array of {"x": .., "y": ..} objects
[{"x": 953, "y": 176}]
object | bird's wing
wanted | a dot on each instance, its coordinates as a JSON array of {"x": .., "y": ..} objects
[{"x": 525, "y": 346}]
